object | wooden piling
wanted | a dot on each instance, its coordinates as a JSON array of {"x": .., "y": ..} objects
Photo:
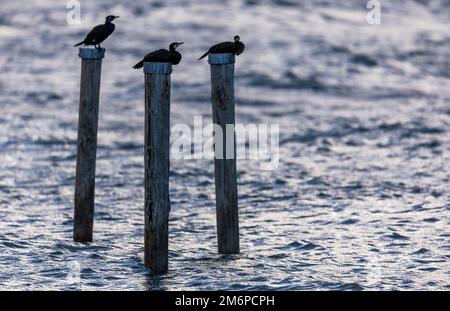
[
  {"x": 157, "y": 145},
  {"x": 91, "y": 65},
  {"x": 222, "y": 93}
]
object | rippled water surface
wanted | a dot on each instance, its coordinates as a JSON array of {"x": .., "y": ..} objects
[{"x": 360, "y": 199}]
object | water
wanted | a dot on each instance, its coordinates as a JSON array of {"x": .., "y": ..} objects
[{"x": 360, "y": 199}]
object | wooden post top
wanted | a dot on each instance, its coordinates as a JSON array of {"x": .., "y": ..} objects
[
  {"x": 158, "y": 68},
  {"x": 87, "y": 53},
  {"x": 221, "y": 59}
]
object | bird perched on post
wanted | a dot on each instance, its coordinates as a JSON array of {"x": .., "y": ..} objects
[
  {"x": 236, "y": 47},
  {"x": 99, "y": 33},
  {"x": 162, "y": 56}
]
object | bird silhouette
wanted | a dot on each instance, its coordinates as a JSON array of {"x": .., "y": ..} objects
[
  {"x": 99, "y": 33},
  {"x": 162, "y": 56},
  {"x": 236, "y": 47}
]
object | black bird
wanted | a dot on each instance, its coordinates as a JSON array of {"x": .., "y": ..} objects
[
  {"x": 99, "y": 33},
  {"x": 236, "y": 47},
  {"x": 162, "y": 56}
]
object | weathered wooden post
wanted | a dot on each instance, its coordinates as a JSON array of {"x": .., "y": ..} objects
[
  {"x": 222, "y": 93},
  {"x": 91, "y": 66},
  {"x": 157, "y": 145}
]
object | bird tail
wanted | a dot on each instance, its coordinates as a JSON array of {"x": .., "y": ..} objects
[
  {"x": 139, "y": 65},
  {"x": 78, "y": 44},
  {"x": 204, "y": 55}
]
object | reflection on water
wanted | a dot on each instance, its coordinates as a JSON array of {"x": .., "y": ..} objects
[{"x": 359, "y": 200}]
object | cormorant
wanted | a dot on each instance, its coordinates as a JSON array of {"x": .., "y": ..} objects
[
  {"x": 236, "y": 47},
  {"x": 162, "y": 56},
  {"x": 99, "y": 33}
]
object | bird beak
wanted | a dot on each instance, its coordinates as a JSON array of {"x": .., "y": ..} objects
[
  {"x": 116, "y": 16},
  {"x": 180, "y": 43}
]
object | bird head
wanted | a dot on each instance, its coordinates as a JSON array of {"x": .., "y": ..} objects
[
  {"x": 237, "y": 38},
  {"x": 110, "y": 18},
  {"x": 174, "y": 45}
]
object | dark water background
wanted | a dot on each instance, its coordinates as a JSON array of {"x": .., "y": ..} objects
[{"x": 360, "y": 200}]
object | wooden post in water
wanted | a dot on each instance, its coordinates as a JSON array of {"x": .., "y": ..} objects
[
  {"x": 222, "y": 93},
  {"x": 157, "y": 145},
  {"x": 91, "y": 66}
]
